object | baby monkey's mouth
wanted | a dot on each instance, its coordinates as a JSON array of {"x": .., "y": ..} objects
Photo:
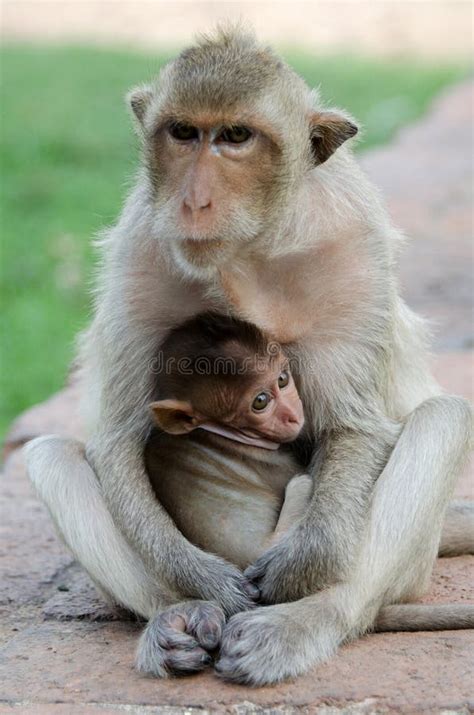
[{"x": 240, "y": 435}]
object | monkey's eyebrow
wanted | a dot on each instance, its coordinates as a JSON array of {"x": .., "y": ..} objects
[{"x": 165, "y": 120}]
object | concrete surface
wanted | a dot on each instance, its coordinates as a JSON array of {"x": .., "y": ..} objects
[{"x": 64, "y": 651}]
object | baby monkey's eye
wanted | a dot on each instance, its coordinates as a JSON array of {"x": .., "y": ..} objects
[
  {"x": 235, "y": 135},
  {"x": 283, "y": 379},
  {"x": 183, "y": 132},
  {"x": 261, "y": 401}
]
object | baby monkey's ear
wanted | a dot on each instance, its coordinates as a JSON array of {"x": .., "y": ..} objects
[
  {"x": 174, "y": 416},
  {"x": 328, "y": 130}
]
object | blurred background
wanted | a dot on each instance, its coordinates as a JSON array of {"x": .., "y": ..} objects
[{"x": 68, "y": 153}]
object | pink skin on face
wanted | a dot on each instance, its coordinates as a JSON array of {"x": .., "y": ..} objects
[{"x": 276, "y": 412}]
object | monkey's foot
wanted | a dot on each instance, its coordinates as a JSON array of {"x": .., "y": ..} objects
[
  {"x": 270, "y": 644},
  {"x": 179, "y": 640}
]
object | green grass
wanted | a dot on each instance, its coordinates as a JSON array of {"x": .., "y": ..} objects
[{"x": 67, "y": 155}]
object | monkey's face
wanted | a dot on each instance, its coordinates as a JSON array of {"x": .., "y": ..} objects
[
  {"x": 213, "y": 177},
  {"x": 229, "y": 132}
]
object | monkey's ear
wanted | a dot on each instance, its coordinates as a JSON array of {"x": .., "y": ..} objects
[
  {"x": 328, "y": 130},
  {"x": 139, "y": 99},
  {"x": 174, "y": 416}
]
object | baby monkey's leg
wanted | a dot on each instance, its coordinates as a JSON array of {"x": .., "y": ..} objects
[{"x": 297, "y": 497}]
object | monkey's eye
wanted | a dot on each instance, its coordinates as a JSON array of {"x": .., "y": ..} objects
[
  {"x": 183, "y": 132},
  {"x": 261, "y": 401},
  {"x": 235, "y": 135},
  {"x": 283, "y": 379}
]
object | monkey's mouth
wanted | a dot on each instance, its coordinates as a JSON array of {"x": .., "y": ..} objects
[
  {"x": 201, "y": 251},
  {"x": 201, "y": 244}
]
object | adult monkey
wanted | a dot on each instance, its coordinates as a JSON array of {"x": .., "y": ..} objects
[{"x": 243, "y": 205}]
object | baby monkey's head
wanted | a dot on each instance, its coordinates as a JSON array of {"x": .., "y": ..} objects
[{"x": 217, "y": 370}]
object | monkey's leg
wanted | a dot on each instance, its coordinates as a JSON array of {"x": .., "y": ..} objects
[
  {"x": 400, "y": 546},
  {"x": 297, "y": 497},
  {"x": 457, "y": 536},
  {"x": 190, "y": 571},
  {"x": 322, "y": 548},
  {"x": 178, "y": 634},
  {"x": 69, "y": 488}
]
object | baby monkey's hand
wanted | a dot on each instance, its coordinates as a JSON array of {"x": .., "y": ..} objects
[{"x": 297, "y": 497}]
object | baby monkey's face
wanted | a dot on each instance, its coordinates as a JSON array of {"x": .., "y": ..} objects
[
  {"x": 271, "y": 407},
  {"x": 264, "y": 403}
]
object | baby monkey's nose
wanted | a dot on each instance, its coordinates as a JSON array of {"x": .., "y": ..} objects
[{"x": 291, "y": 418}]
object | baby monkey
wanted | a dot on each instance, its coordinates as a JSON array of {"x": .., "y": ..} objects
[{"x": 220, "y": 463}]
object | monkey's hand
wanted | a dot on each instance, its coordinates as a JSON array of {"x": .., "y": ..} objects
[
  {"x": 179, "y": 640},
  {"x": 302, "y": 562},
  {"x": 206, "y": 576}
]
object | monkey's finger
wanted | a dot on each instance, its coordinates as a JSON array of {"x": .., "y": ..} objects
[
  {"x": 253, "y": 574},
  {"x": 189, "y": 661}
]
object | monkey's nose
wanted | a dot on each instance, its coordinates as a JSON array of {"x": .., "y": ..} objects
[
  {"x": 195, "y": 216},
  {"x": 195, "y": 210},
  {"x": 196, "y": 203}
]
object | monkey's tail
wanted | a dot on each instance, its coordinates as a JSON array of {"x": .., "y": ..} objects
[{"x": 425, "y": 617}]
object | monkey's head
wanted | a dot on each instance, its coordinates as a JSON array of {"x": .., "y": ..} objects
[
  {"x": 221, "y": 371},
  {"x": 228, "y": 131}
]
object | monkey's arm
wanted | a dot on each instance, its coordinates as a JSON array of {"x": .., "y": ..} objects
[
  {"x": 323, "y": 547},
  {"x": 117, "y": 356},
  {"x": 187, "y": 570}
]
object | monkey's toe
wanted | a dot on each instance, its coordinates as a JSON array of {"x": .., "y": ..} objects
[
  {"x": 176, "y": 641},
  {"x": 186, "y": 662},
  {"x": 206, "y": 622}
]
